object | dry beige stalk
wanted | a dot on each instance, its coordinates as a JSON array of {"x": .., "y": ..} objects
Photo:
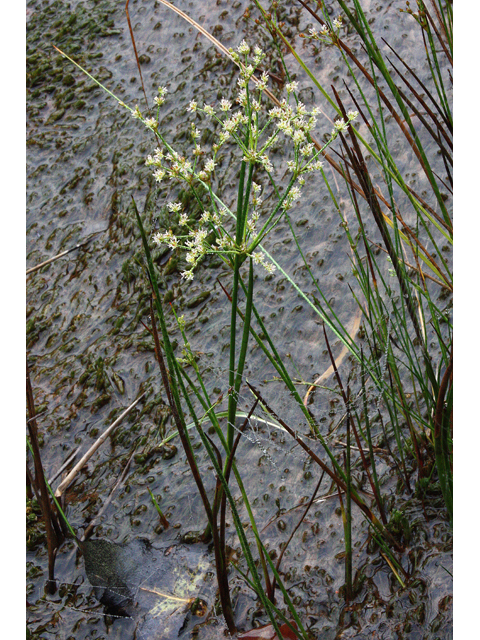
[{"x": 64, "y": 484}]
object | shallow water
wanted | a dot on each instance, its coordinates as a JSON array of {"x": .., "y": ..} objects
[{"x": 91, "y": 357}]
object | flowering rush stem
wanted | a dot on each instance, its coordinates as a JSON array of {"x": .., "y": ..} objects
[
  {"x": 253, "y": 131},
  {"x": 237, "y": 375}
]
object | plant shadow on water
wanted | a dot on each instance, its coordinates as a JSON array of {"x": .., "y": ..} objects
[
  {"x": 155, "y": 587},
  {"x": 92, "y": 352}
]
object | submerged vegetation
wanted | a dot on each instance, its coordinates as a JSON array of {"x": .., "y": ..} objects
[{"x": 229, "y": 185}]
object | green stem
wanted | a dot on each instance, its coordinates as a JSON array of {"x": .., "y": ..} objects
[
  {"x": 348, "y": 511},
  {"x": 232, "y": 405},
  {"x": 246, "y": 331}
]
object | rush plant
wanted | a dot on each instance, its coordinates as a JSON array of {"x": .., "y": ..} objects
[{"x": 397, "y": 290}]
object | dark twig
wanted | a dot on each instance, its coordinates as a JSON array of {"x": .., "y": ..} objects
[
  {"x": 440, "y": 39},
  {"x": 70, "y": 458},
  {"x": 426, "y": 91},
  {"x": 53, "y": 538},
  {"x": 135, "y": 50}
]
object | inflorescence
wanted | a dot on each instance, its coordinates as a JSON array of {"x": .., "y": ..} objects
[
  {"x": 327, "y": 34},
  {"x": 247, "y": 127}
]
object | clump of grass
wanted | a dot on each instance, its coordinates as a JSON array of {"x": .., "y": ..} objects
[
  {"x": 404, "y": 316},
  {"x": 402, "y": 307}
]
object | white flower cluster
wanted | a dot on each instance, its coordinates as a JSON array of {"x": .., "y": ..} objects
[
  {"x": 241, "y": 122},
  {"x": 293, "y": 195},
  {"x": 341, "y": 125},
  {"x": 296, "y": 123},
  {"x": 325, "y": 34},
  {"x": 194, "y": 242},
  {"x": 259, "y": 258},
  {"x": 242, "y": 52},
  {"x": 159, "y": 100}
]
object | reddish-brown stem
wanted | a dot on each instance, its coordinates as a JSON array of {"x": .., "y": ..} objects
[{"x": 53, "y": 539}]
